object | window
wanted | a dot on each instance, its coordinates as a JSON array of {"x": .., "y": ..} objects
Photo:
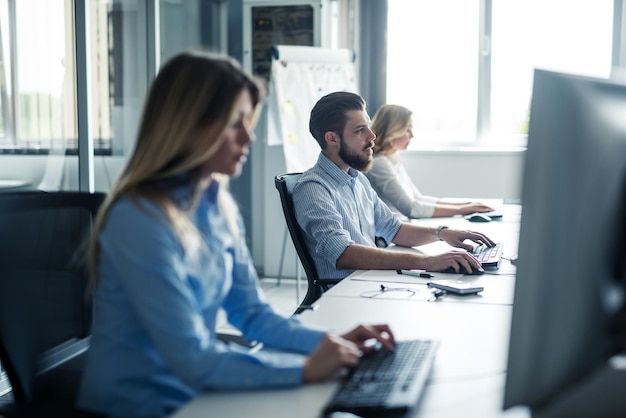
[
  {"x": 45, "y": 104},
  {"x": 38, "y": 76},
  {"x": 38, "y": 87},
  {"x": 465, "y": 67},
  {"x": 530, "y": 34},
  {"x": 432, "y": 66}
]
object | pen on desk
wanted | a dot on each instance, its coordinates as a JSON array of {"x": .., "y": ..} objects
[{"x": 416, "y": 273}]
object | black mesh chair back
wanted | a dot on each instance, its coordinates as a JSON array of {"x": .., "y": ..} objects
[
  {"x": 45, "y": 311},
  {"x": 316, "y": 286}
]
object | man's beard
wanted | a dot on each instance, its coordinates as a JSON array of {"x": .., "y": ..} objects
[{"x": 354, "y": 160}]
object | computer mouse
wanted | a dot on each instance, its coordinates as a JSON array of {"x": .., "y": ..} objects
[
  {"x": 463, "y": 270},
  {"x": 478, "y": 217}
]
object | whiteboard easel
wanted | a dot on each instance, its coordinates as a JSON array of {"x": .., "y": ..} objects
[{"x": 300, "y": 76}]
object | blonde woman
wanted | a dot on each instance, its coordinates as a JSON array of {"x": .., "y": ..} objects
[
  {"x": 392, "y": 125},
  {"x": 169, "y": 252}
]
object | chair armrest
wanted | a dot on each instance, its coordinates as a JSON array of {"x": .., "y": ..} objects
[
  {"x": 327, "y": 283},
  {"x": 228, "y": 338}
]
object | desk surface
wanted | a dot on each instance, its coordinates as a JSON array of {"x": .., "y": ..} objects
[
  {"x": 469, "y": 372},
  {"x": 468, "y": 375},
  {"x": 498, "y": 288}
]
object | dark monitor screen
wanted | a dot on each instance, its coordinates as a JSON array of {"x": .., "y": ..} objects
[
  {"x": 278, "y": 25},
  {"x": 569, "y": 288}
]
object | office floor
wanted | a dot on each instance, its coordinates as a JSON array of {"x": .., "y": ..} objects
[{"x": 281, "y": 295}]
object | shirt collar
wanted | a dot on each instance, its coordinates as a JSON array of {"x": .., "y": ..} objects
[
  {"x": 182, "y": 193},
  {"x": 213, "y": 190},
  {"x": 337, "y": 174}
]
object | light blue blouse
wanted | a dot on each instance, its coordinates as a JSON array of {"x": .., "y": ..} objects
[
  {"x": 154, "y": 345},
  {"x": 336, "y": 209},
  {"x": 394, "y": 186}
]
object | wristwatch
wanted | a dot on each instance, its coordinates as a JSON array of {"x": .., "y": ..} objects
[{"x": 438, "y": 231}]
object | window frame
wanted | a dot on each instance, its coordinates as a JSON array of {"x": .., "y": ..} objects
[{"x": 483, "y": 98}]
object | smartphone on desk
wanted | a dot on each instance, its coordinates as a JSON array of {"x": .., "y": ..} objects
[{"x": 458, "y": 287}]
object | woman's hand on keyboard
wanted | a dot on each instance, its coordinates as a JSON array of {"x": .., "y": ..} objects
[
  {"x": 331, "y": 355},
  {"x": 363, "y": 335},
  {"x": 337, "y": 352},
  {"x": 466, "y": 208}
]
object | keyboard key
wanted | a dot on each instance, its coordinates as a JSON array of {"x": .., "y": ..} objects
[
  {"x": 488, "y": 256},
  {"x": 386, "y": 382}
]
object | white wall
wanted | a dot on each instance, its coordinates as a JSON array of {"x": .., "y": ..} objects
[
  {"x": 469, "y": 172},
  {"x": 472, "y": 173}
]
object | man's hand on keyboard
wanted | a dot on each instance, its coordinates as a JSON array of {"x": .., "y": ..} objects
[
  {"x": 455, "y": 238},
  {"x": 457, "y": 260}
]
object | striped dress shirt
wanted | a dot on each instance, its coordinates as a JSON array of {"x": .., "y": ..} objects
[{"x": 336, "y": 209}]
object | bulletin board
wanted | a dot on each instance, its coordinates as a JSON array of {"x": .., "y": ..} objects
[{"x": 300, "y": 76}]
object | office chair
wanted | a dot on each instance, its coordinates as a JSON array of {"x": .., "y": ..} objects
[
  {"x": 316, "y": 286},
  {"x": 45, "y": 314}
]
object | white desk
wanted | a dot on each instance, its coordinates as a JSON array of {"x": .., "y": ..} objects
[
  {"x": 505, "y": 229},
  {"x": 468, "y": 375},
  {"x": 362, "y": 284},
  {"x": 454, "y": 399},
  {"x": 469, "y": 372}
]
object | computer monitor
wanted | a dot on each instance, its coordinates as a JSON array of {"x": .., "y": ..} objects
[{"x": 568, "y": 310}]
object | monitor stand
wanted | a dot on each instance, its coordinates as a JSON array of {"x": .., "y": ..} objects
[{"x": 601, "y": 395}]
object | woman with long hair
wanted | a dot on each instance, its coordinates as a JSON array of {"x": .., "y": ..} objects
[
  {"x": 392, "y": 125},
  {"x": 168, "y": 252}
]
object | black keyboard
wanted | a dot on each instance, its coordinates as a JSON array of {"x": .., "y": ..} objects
[
  {"x": 488, "y": 256},
  {"x": 386, "y": 382}
]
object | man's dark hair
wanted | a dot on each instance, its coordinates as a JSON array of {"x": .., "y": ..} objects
[{"x": 329, "y": 114}]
